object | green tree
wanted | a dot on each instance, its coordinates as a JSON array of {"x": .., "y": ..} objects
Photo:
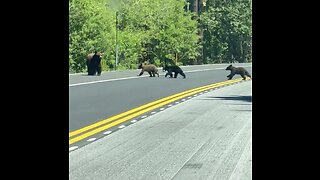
[
  {"x": 160, "y": 28},
  {"x": 228, "y": 31},
  {"x": 154, "y": 30},
  {"x": 89, "y": 30}
]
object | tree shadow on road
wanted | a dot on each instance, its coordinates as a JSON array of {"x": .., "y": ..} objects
[
  {"x": 234, "y": 98},
  {"x": 243, "y": 110}
]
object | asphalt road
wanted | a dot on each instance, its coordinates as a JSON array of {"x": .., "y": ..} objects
[
  {"x": 206, "y": 137},
  {"x": 94, "y": 98}
]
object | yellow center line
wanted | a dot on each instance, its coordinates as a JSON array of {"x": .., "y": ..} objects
[
  {"x": 163, "y": 101},
  {"x": 79, "y": 131}
]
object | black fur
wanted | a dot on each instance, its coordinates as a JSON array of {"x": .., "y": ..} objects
[
  {"x": 93, "y": 68},
  {"x": 237, "y": 70},
  {"x": 176, "y": 69},
  {"x": 150, "y": 68}
]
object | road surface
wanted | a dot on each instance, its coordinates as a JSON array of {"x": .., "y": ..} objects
[{"x": 206, "y": 137}]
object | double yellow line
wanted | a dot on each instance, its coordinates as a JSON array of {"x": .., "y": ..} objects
[{"x": 120, "y": 118}]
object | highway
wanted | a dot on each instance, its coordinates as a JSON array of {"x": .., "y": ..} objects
[{"x": 197, "y": 128}]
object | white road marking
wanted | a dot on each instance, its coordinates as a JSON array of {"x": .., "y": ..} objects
[
  {"x": 134, "y": 77},
  {"x": 133, "y": 121},
  {"x": 106, "y": 80},
  {"x": 91, "y": 139},
  {"x": 122, "y": 126},
  {"x": 107, "y": 132},
  {"x": 73, "y": 148}
]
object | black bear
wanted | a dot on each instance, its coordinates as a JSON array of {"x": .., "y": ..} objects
[
  {"x": 94, "y": 67},
  {"x": 237, "y": 70},
  {"x": 174, "y": 68},
  {"x": 150, "y": 68}
]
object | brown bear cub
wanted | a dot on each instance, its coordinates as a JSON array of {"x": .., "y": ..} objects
[
  {"x": 150, "y": 68},
  {"x": 237, "y": 70}
]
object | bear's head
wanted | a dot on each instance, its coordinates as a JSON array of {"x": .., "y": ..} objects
[
  {"x": 165, "y": 68},
  {"x": 229, "y": 67}
]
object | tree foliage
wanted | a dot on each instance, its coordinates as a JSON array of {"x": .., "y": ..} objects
[
  {"x": 154, "y": 30},
  {"x": 164, "y": 28},
  {"x": 227, "y": 31},
  {"x": 89, "y": 30}
]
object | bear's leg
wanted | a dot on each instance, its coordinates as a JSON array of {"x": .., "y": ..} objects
[
  {"x": 243, "y": 76},
  {"x": 99, "y": 71},
  {"x": 182, "y": 74},
  {"x": 230, "y": 76},
  {"x": 141, "y": 73},
  {"x": 175, "y": 74}
]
